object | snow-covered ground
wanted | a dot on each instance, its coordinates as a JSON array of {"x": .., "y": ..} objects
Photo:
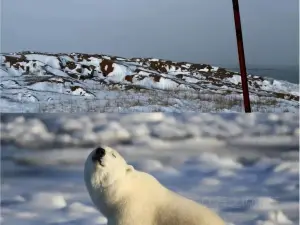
[
  {"x": 243, "y": 166},
  {"x": 76, "y": 82}
]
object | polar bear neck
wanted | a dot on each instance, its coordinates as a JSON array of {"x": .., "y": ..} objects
[
  {"x": 107, "y": 199},
  {"x": 112, "y": 199}
]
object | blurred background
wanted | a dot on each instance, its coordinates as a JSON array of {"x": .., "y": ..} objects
[{"x": 246, "y": 167}]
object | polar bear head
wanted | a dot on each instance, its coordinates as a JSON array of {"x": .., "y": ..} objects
[{"x": 103, "y": 167}]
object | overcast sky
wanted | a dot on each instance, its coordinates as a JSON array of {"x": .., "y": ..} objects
[{"x": 191, "y": 30}]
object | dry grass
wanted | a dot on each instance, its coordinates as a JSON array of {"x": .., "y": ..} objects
[{"x": 156, "y": 101}]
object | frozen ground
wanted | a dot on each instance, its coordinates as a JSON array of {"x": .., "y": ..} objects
[
  {"x": 75, "y": 82},
  {"x": 243, "y": 166}
]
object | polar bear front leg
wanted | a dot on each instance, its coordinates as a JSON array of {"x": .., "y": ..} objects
[{"x": 132, "y": 219}]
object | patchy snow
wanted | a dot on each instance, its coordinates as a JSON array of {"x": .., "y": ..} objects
[
  {"x": 211, "y": 158},
  {"x": 84, "y": 82},
  {"x": 235, "y": 79}
]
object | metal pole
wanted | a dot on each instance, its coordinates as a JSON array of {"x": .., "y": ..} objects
[{"x": 242, "y": 61}]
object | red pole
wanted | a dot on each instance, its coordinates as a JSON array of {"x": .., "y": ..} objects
[{"x": 242, "y": 61}]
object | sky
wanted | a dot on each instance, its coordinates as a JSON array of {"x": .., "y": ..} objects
[{"x": 200, "y": 31}]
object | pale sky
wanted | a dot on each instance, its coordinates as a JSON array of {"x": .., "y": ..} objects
[{"x": 192, "y": 30}]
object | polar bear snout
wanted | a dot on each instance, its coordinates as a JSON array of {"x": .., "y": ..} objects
[{"x": 99, "y": 153}]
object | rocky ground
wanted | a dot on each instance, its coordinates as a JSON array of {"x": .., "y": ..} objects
[{"x": 42, "y": 82}]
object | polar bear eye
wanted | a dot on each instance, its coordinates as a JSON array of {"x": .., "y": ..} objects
[{"x": 114, "y": 155}]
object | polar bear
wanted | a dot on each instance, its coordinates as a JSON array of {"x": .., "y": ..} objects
[{"x": 130, "y": 197}]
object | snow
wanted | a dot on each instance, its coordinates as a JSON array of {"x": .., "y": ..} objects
[
  {"x": 85, "y": 82},
  {"x": 235, "y": 79},
  {"x": 211, "y": 158}
]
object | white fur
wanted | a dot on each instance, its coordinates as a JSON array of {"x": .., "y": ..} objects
[{"x": 130, "y": 197}]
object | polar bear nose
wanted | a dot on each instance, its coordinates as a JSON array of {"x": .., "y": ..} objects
[{"x": 99, "y": 153}]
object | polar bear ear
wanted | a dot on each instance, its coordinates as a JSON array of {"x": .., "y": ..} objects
[{"x": 129, "y": 169}]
